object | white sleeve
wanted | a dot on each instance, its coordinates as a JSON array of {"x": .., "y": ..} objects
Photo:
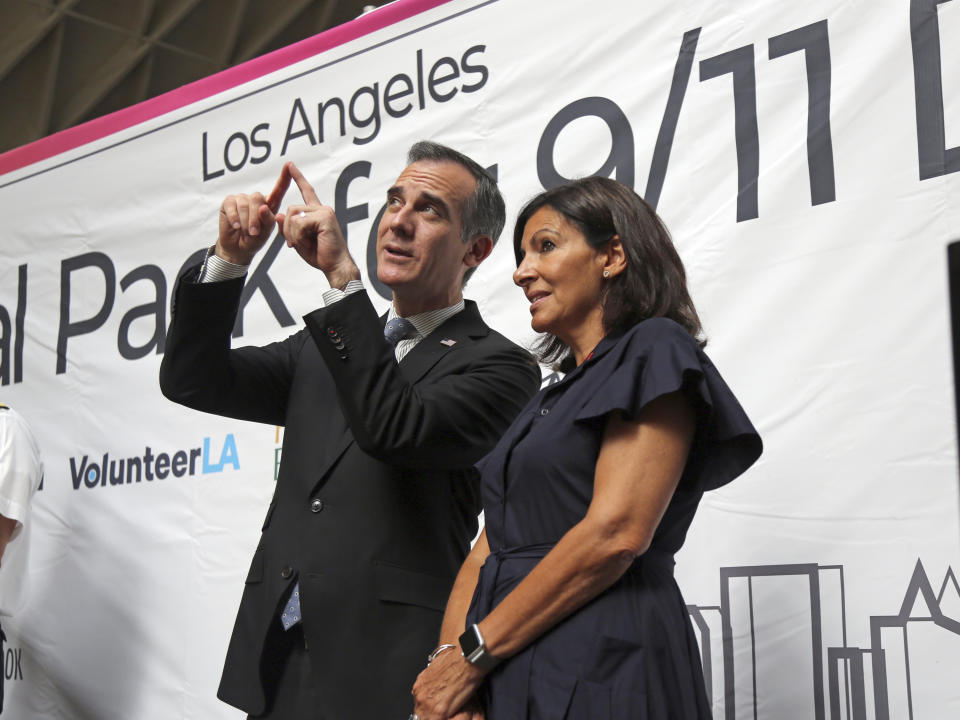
[
  {"x": 336, "y": 294},
  {"x": 215, "y": 268},
  {"x": 21, "y": 468}
]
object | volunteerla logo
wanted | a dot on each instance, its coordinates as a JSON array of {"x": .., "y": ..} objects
[{"x": 106, "y": 471}]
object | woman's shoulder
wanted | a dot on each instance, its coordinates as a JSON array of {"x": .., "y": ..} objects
[{"x": 656, "y": 331}]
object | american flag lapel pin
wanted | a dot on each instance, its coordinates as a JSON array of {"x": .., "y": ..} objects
[{"x": 448, "y": 342}]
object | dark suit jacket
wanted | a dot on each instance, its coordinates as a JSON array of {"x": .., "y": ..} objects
[{"x": 376, "y": 499}]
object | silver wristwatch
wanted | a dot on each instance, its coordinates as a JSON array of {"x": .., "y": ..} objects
[{"x": 475, "y": 651}]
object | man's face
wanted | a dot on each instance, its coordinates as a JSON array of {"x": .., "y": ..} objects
[{"x": 420, "y": 248}]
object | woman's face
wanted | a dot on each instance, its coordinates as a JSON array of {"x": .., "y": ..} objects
[{"x": 561, "y": 275}]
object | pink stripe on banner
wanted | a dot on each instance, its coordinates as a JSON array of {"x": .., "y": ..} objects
[{"x": 251, "y": 70}]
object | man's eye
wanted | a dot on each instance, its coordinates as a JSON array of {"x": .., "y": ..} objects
[{"x": 393, "y": 201}]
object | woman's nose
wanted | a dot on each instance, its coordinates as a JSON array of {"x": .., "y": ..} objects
[{"x": 524, "y": 273}]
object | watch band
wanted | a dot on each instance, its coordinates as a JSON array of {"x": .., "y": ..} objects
[{"x": 475, "y": 650}]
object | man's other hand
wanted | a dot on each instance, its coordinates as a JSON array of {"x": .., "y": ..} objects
[{"x": 246, "y": 221}]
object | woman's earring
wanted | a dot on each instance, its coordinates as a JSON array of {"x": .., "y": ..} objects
[{"x": 606, "y": 273}]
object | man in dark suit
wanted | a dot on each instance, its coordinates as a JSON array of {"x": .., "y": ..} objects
[{"x": 376, "y": 500}]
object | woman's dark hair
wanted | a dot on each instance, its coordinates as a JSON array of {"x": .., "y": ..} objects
[{"x": 653, "y": 284}]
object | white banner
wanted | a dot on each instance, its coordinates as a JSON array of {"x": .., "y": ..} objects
[{"x": 806, "y": 157}]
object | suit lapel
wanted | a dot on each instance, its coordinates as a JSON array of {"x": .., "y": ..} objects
[
  {"x": 461, "y": 329},
  {"x": 336, "y": 448}
]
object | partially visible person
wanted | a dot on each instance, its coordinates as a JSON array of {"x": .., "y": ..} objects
[
  {"x": 21, "y": 470},
  {"x": 567, "y": 608}
]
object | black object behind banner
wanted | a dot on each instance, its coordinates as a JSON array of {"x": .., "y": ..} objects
[{"x": 953, "y": 264}]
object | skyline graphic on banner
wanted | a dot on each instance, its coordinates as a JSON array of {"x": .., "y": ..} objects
[{"x": 797, "y": 612}]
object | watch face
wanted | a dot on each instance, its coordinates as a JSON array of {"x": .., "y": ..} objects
[{"x": 470, "y": 640}]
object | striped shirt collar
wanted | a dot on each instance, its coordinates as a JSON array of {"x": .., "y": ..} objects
[{"x": 425, "y": 323}]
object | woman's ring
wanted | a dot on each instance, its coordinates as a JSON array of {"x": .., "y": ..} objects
[
  {"x": 304, "y": 214},
  {"x": 413, "y": 716}
]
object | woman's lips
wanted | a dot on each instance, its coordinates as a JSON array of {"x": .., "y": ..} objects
[{"x": 536, "y": 298}]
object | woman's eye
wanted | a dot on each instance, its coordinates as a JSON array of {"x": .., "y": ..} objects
[{"x": 547, "y": 246}]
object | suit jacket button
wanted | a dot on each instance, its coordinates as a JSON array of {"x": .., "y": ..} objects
[
  {"x": 286, "y": 572},
  {"x": 316, "y": 506}
]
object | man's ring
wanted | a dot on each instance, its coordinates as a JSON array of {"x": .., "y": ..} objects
[{"x": 304, "y": 214}]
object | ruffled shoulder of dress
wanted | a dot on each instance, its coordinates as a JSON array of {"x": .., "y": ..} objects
[{"x": 657, "y": 357}]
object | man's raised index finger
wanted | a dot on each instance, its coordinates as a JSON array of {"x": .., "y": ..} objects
[
  {"x": 280, "y": 189},
  {"x": 306, "y": 189}
]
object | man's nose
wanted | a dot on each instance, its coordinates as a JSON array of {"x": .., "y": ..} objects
[{"x": 400, "y": 220}]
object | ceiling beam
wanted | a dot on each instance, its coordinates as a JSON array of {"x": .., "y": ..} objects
[
  {"x": 255, "y": 46},
  {"x": 45, "y": 116},
  {"x": 233, "y": 28},
  {"x": 14, "y": 49},
  {"x": 80, "y": 105}
]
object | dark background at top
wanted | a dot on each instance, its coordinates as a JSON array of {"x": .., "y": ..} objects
[{"x": 63, "y": 62}]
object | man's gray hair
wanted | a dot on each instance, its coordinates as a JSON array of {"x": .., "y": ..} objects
[{"x": 484, "y": 212}]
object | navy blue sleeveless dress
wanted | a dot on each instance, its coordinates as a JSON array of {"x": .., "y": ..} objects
[{"x": 629, "y": 654}]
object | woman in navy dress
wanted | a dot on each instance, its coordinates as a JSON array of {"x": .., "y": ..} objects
[{"x": 567, "y": 606}]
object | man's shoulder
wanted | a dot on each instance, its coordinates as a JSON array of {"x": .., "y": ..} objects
[
  {"x": 494, "y": 342},
  {"x": 499, "y": 340}
]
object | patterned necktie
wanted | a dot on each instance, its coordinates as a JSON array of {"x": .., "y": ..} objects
[
  {"x": 397, "y": 329},
  {"x": 291, "y": 612}
]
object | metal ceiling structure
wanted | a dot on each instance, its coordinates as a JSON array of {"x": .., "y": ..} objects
[{"x": 63, "y": 62}]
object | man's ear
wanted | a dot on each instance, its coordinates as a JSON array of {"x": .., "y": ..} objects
[
  {"x": 616, "y": 259},
  {"x": 477, "y": 250}
]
